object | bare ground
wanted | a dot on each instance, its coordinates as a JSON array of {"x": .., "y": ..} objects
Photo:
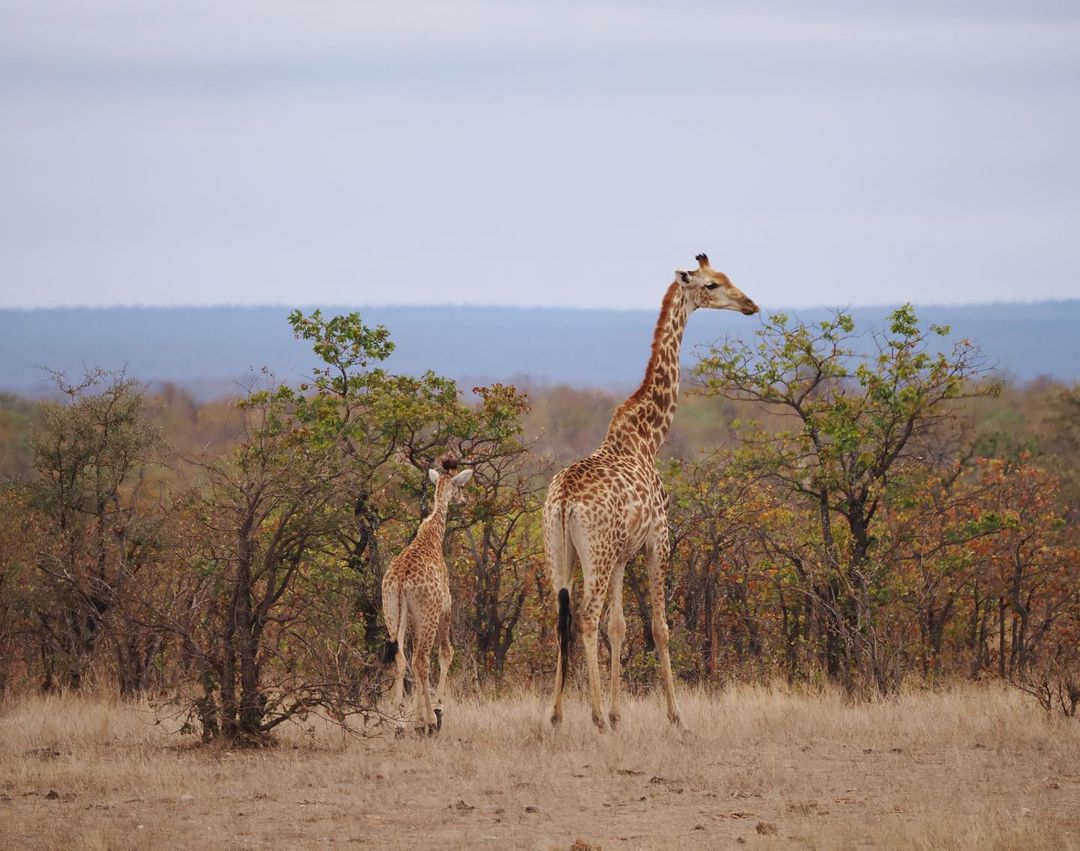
[{"x": 976, "y": 767}]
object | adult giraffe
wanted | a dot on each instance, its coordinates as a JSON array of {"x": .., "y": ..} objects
[{"x": 609, "y": 505}]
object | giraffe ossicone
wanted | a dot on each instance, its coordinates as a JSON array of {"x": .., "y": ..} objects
[
  {"x": 606, "y": 507},
  {"x": 416, "y": 597}
]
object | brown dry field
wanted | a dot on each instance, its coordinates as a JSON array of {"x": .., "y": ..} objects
[{"x": 972, "y": 767}]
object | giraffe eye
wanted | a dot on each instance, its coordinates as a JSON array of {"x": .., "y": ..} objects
[{"x": 712, "y": 286}]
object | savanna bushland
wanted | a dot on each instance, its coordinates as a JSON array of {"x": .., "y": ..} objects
[{"x": 874, "y": 602}]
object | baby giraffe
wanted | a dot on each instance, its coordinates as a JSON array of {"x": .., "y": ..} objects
[{"x": 417, "y": 586}]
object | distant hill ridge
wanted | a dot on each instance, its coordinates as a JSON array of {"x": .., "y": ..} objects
[{"x": 214, "y": 351}]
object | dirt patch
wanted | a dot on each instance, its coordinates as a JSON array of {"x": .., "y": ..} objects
[{"x": 762, "y": 768}]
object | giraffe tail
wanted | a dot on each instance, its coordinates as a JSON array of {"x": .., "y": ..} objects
[
  {"x": 566, "y": 630},
  {"x": 566, "y": 617},
  {"x": 396, "y": 614}
]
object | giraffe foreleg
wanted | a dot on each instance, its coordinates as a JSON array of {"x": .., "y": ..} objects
[{"x": 657, "y": 552}]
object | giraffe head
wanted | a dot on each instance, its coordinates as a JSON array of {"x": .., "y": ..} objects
[
  {"x": 705, "y": 287},
  {"x": 448, "y": 484}
]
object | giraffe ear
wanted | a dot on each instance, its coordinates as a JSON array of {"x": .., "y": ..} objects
[
  {"x": 434, "y": 476},
  {"x": 462, "y": 478},
  {"x": 683, "y": 276}
]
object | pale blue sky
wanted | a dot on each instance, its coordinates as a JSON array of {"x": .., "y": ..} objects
[{"x": 536, "y": 153}]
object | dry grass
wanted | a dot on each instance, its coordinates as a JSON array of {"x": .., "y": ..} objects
[{"x": 969, "y": 768}]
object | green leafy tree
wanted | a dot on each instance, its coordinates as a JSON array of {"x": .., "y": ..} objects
[
  {"x": 391, "y": 429},
  {"x": 381, "y": 422},
  {"x": 721, "y": 580},
  {"x": 496, "y": 543},
  {"x": 266, "y": 512},
  {"x": 91, "y": 453},
  {"x": 850, "y": 426}
]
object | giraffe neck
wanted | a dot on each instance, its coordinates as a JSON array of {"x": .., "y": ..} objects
[
  {"x": 641, "y": 423},
  {"x": 433, "y": 527}
]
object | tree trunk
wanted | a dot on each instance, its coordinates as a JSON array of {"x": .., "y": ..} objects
[{"x": 1001, "y": 637}]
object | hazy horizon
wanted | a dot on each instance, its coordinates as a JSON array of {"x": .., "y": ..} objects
[
  {"x": 213, "y": 350},
  {"x": 542, "y": 153}
]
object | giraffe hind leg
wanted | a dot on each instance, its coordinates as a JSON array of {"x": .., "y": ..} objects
[
  {"x": 616, "y": 630},
  {"x": 394, "y": 654},
  {"x": 590, "y": 622},
  {"x": 397, "y": 696},
  {"x": 446, "y": 659},
  {"x": 598, "y": 565},
  {"x": 423, "y": 642}
]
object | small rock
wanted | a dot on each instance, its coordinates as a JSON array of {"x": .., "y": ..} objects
[
  {"x": 462, "y": 805},
  {"x": 765, "y": 829},
  {"x": 52, "y": 795},
  {"x": 532, "y": 809},
  {"x": 186, "y": 797},
  {"x": 658, "y": 779},
  {"x": 699, "y": 827},
  {"x": 1025, "y": 812},
  {"x": 582, "y": 845},
  {"x": 897, "y": 750}
]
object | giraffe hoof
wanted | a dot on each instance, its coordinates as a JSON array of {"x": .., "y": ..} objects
[
  {"x": 614, "y": 718},
  {"x": 438, "y": 719},
  {"x": 432, "y": 729},
  {"x": 556, "y": 718},
  {"x": 600, "y": 723}
]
